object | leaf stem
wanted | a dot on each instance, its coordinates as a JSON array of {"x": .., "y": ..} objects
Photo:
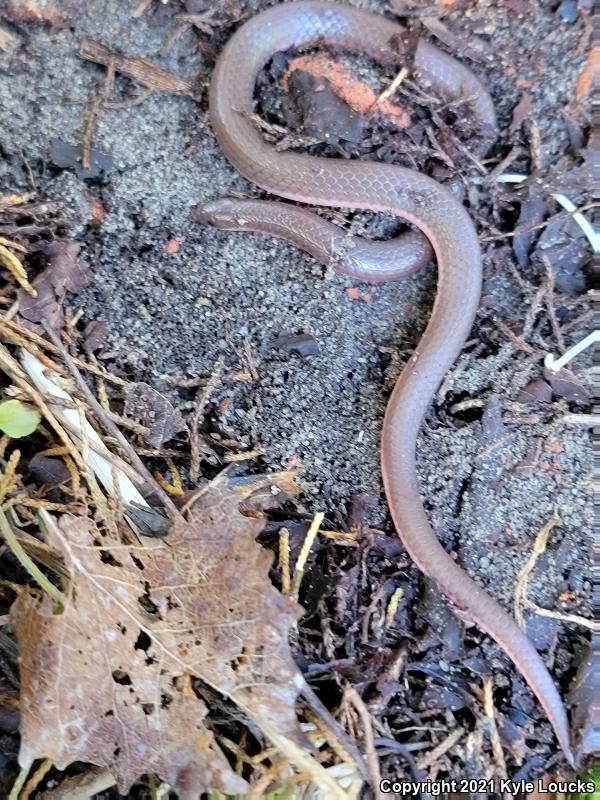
[{"x": 19, "y": 553}]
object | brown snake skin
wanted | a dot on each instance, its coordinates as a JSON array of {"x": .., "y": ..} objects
[{"x": 380, "y": 188}]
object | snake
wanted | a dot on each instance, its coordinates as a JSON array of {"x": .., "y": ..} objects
[{"x": 442, "y": 223}]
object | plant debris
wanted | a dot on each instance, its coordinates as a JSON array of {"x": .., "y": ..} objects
[
  {"x": 152, "y": 409},
  {"x": 65, "y": 272},
  {"x": 182, "y": 323},
  {"x": 67, "y": 156},
  {"x": 156, "y": 616},
  {"x": 139, "y": 69}
]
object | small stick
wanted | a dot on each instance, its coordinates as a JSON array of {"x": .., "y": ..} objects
[
  {"x": 135, "y": 67},
  {"x": 7, "y": 325},
  {"x": 573, "y": 619},
  {"x": 284, "y": 560},
  {"x": 539, "y": 547},
  {"x": 550, "y": 304},
  {"x": 20, "y": 379},
  {"x": 490, "y": 712},
  {"x": 304, "y": 553},
  {"x": 389, "y": 91},
  {"x": 94, "y": 112},
  {"x": 446, "y": 744},
  {"x": 370, "y": 752},
  {"x": 202, "y": 398},
  {"x": 35, "y": 780}
]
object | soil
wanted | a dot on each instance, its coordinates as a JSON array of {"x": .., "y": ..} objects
[{"x": 177, "y": 298}]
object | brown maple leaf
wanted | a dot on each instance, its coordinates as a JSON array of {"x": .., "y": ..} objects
[{"x": 107, "y": 681}]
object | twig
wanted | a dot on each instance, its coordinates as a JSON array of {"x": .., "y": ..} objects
[
  {"x": 14, "y": 266},
  {"x": 389, "y": 91},
  {"x": 574, "y": 619},
  {"x": 539, "y": 546},
  {"x": 337, "y": 737},
  {"x": 94, "y": 112},
  {"x": 114, "y": 460},
  {"x": 118, "y": 105},
  {"x": 19, "y": 781},
  {"x": 370, "y": 752},
  {"x": 518, "y": 341},
  {"x": 259, "y": 788},
  {"x": 19, "y": 377},
  {"x": 490, "y": 712},
  {"x": 446, "y": 744},
  {"x": 202, "y": 397},
  {"x": 284, "y": 560},
  {"x": 538, "y": 226},
  {"x": 550, "y": 304},
  {"x": 135, "y": 67},
  {"x": 35, "y": 780},
  {"x": 81, "y": 787},
  {"x": 592, "y": 236},
  {"x": 589, "y": 420},
  {"x": 304, "y": 553},
  {"x": 7, "y": 479},
  {"x": 11, "y": 328}
]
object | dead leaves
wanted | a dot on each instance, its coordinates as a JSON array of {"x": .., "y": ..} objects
[
  {"x": 65, "y": 272},
  {"x": 152, "y": 409},
  {"x": 108, "y": 681}
]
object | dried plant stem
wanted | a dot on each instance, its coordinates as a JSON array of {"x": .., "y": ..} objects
[
  {"x": 369, "y": 740},
  {"x": 539, "y": 547},
  {"x": 490, "y": 712},
  {"x": 109, "y": 424},
  {"x": 284, "y": 560},
  {"x": 18, "y": 333},
  {"x": 304, "y": 553},
  {"x": 35, "y": 780},
  {"x": 17, "y": 550},
  {"x": 18, "y": 784}
]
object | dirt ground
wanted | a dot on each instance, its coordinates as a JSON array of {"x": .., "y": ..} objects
[{"x": 176, "y": 298}]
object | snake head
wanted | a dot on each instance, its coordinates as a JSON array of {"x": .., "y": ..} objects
[{"x": 218, "y": 213}]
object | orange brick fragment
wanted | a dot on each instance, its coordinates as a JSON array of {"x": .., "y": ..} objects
[
  {"x": 97, "y": 210},
  {"x": 589, "y": 73},
  {"x": 357, "y": 94}
]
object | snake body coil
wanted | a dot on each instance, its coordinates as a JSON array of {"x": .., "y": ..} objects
[{"x": 384, "y": 188}]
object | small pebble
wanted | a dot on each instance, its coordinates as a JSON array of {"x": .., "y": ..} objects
[{"x": 567, "y": 10}]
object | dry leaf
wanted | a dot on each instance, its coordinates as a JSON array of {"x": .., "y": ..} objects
[
  {"x": 521, "y": 112},
  {"x": 106, "y": 682},
  {"x": 65, "y": 272},
  {"x": 154, "y": 411}
]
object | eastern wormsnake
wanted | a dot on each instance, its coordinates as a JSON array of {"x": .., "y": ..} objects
[{"x": 381, "y": 188}]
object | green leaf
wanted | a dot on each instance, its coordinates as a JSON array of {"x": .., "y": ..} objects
[
  {"x": 18, "y": 419},
  {"x": 592, "y": 774}
]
